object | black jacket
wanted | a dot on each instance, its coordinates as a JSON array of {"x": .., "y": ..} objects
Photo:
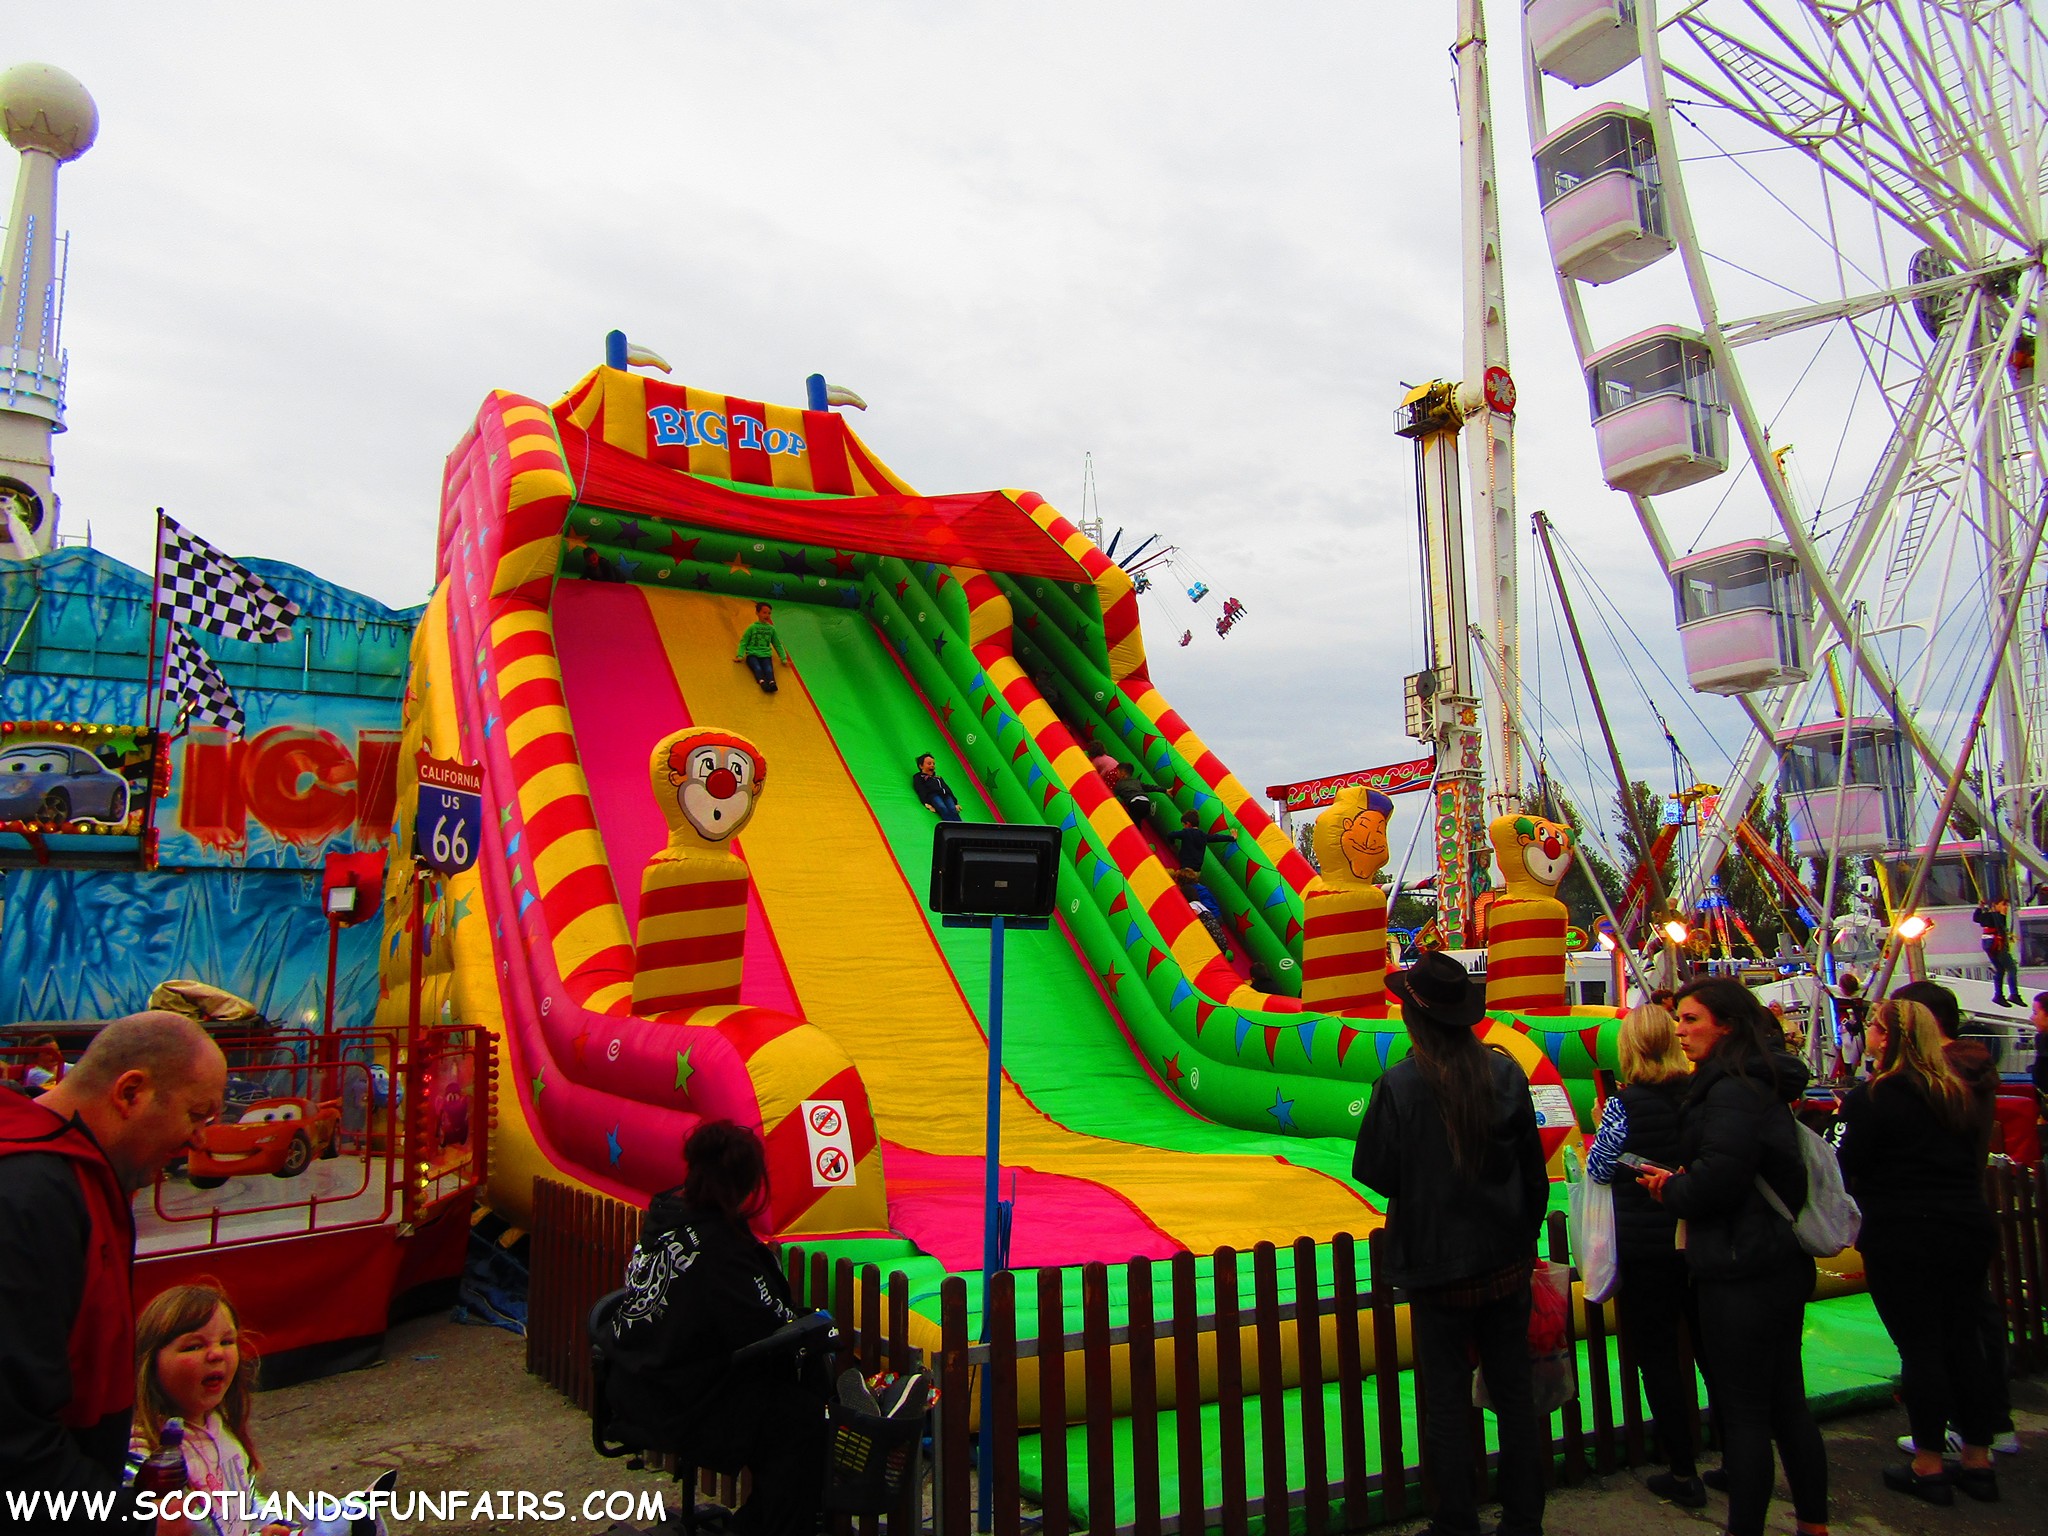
[
  {"x": 1644, "y": 1228},
  {"x": 1913, "y": 1176},
  {"x": 930, "y": 789},
  {"x": 1441, "y": 1229},
  {"x": 1734, "y": 1127},
  {"x": 698, "y": 1288},
  {"x": 1190, "y": 843}
]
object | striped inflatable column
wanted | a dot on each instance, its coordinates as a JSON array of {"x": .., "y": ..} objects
[
  {"x": 1344, "y": 952},
  {"x": 1344, "y": 946},
  {"x": 693, "y": 894},
  {"x": 1525, "y": 930}
]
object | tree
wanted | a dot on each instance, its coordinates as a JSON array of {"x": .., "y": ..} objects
[
  {"x": 1750, "y": 892},
  {"x": 1587, "y": 866}
]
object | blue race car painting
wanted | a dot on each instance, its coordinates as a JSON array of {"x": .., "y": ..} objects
[{"x": 52, "y": 784}]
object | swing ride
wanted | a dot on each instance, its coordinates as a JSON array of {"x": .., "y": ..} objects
[{"x": 1156, "y": 569}]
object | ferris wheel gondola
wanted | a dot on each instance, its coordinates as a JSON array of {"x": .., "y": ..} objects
[{"x": 1890, "y": 153}]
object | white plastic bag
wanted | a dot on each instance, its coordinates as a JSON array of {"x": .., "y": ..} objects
[
  {"x": 1594, "y": 1243},
  {"x": 1830, "y": 1220}
]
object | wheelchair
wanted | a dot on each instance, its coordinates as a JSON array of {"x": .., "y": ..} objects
[{"x": 870, "y": 1456}]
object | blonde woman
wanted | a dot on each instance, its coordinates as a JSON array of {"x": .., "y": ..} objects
[
  {"x": 1913, "y": 1147},
  {"x": 1654, "y": 1299}
]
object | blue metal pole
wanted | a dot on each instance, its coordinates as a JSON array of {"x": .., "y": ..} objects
[{"x": 991, "y": 1189}]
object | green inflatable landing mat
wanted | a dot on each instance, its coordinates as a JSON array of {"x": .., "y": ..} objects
[{"x": 1850, "y": 1366}]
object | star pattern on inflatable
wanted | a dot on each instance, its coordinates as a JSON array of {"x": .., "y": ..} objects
[
  {"x": 680, "y": 548},
  {"x": 540, "y": 1084},
  {"x": 1281, "y": 1109},
  {"x": 684, "y": 1071},
  {"x": 739, "y": 566},
  {"x": 1172, "y": 1068},
  {"x": 842, "y": 562},
  {"x": 613, "y": 1146}
]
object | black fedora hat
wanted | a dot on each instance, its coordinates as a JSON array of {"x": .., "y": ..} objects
[{"x": 1438, "y": 987}]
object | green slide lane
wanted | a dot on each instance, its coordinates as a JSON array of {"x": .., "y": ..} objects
[{"x": 1062, "y": 1044}]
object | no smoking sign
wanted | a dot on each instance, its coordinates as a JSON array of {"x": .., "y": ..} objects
[{"x": 830, "y": 1142}]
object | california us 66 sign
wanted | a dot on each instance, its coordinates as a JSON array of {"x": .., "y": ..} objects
[{"x": 449, "y": 814}]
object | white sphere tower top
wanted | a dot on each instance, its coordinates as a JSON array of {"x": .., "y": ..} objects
[
  {"x": 51, "y": 119},
  {"x": 43, "y": 108}
]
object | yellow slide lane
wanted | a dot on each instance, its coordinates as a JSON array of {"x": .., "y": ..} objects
[{"x": 867, "y": 969}]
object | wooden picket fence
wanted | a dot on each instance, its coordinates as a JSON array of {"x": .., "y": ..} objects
[{"x": 1262, "y": 1431}]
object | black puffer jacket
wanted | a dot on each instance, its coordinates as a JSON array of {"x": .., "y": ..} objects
[
  {"x": 1442, "y": 1229},
  {"x": 697, "y": 1288},
  {"x": 1735, "y": 1126},
  {"x": 1643, "y": 1227}
]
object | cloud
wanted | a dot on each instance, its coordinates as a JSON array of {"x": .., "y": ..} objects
[{"x": 1205, "y": 244}]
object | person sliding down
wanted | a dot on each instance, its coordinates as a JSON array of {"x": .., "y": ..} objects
[
  {"x": 760, "y": 645},
  {"x": 933, "y": 792}
]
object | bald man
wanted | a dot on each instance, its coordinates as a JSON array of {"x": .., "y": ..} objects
[{"x": 70, "y": 1162}]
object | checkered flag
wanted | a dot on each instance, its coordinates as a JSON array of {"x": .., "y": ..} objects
[
  {"x": 202, "y": 587},
  {"x": 202, "y": 693}
]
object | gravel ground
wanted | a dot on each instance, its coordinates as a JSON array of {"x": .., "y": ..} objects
[{"x": 451, "y": 1407}]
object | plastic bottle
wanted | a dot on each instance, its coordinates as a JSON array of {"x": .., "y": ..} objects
[
  {"x": 164, "y": 1472},
  {"x": 1571, "y": 1165}
]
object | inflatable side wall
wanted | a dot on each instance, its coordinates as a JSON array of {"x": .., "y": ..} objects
[{"x": 533, "y": 942}]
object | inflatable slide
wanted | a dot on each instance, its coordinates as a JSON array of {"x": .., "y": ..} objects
[{"x": 598, "y": 562}]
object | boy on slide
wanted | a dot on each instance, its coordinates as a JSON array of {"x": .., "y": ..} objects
[{"x": 760, "y": 645}]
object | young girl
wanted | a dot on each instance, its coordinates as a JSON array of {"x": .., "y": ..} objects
[{"x": 189, "y": 1362}]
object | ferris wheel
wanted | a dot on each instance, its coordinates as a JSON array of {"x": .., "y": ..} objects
[{"x": 1800, "y": 251}]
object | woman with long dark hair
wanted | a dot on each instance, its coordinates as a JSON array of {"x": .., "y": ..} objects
[
  {"x": 1655, "y": 1296},
  {"x": 1914, "y": 1140},
  {"x": 1449, "y": 1139},
  {"x": 1750, "y": 1276},
  {"x": 701, "y": 1285}
]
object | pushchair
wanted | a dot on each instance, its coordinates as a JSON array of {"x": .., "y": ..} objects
[{"x": 872, "y": 1437}]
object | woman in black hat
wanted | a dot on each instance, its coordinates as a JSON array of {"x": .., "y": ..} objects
[{"x": 1449, "y": 1139}]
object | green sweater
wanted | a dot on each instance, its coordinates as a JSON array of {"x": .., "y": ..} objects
[{"x": 761, "y": 640}]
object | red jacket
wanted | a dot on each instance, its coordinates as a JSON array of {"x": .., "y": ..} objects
[{"x": 101, "y": 1322}]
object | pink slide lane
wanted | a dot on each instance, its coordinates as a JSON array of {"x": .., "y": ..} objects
[{"x": 623, "y": 697}]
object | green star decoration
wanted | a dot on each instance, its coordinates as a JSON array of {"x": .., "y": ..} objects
[
  {"x": 540, "y": 1083},
  {"x": 684, "y": 1071}
]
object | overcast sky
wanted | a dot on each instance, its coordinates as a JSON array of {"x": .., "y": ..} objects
[{"x": 1205, "y": 243}]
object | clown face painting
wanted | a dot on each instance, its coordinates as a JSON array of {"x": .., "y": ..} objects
[{"x": 716, "y": 779}]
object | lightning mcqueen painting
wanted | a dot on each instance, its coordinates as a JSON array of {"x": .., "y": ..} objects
[{"x": 280, "y": 1136}]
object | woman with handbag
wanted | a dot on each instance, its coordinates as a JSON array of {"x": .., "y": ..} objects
[
  {"x": 1914, "y": 1140},
  {"x": 1449, "y": 1138},
  {"x": 1654, "y": 1298},
  {"x": 1737, "y": 1139}
]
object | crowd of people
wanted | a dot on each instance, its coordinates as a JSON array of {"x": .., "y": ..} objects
[
  {"x": 1701, "y": 1136},
  {"x": 1699, "y": 1143}
]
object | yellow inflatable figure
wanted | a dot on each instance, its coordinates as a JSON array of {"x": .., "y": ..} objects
[
  {"x": 1344, "y": 945},
  {"x": 693, "y": 894},
  {"x": 1526, "y": 927}
]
